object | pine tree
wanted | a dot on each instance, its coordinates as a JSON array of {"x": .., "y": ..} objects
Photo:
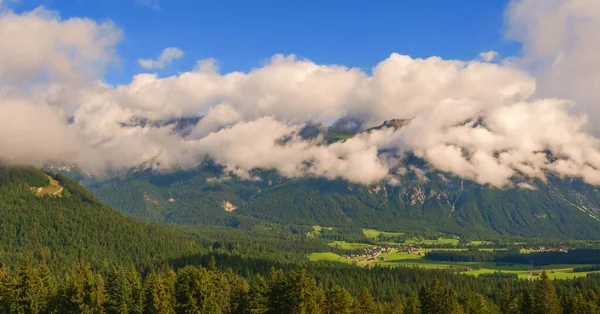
[
  {"x": 300, "y": 293},
  {"x": 188, "y": 289},
  {"x": 430, "y": 298},
  {"x": 28, "y": 290},
  {"x": 412, "y": 305},
  {"x": 450, "y": 304},
  {"x": 579, "y": 305},
  {"x": 5, "y": 289},
  {"x": 212, "y": 264},
  {"x": 338, "y": 301},
  {"x": 118, "y": 292},
  {"x": 277, "y": 292},
  {"x": 49, "y": 288},
  {"x": 395, "y": 307},
  {"x": 239, "y": 292},
  {"x": 526, "y": 303},
  {"x": 136, "y": 303},
  {"x": 98, "y": 295},
  {"x": 168, "y": 277},
  {"x": 365, "y": 303},
  {"x": 545, "y": 300},
  {"x": 258, "y": 301},
  {"x": 157, "y": 298}
]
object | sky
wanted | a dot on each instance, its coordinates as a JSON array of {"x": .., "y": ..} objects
[
  {"x": 243, "y": 34},
  {"x": 504, "y": 93}
]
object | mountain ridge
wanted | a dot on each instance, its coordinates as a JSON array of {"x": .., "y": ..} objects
[{"x": 423, "y": 198}]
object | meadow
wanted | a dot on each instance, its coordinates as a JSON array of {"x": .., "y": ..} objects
[
  {"x": 406, "y": 259},
  {"x": 53, "y": 189},
  {"x": 373, "y": 234}
]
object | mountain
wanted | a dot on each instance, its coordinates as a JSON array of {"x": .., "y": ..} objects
[
  {"x": 556, "y": 208},
  {"x": 53, "y": 218},
  {"x": 425, "y": 199}
]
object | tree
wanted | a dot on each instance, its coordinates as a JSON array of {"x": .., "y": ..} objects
[
  {"x": 258, "y": 301},
  {"x": 48, "y": 287},
  {"x": 450, "y": 303},
  {"x": 545, "y": 299},
  {"x": 577, "y": 303},
  {"x": 6, "y": 292},
  {"x": 365, "y": 303},
  {"x": 118, "y": 292},
  {"x": 157, "y": 297},
  {"x": 301, "y": 293},
  {"x": 412, "y": 305},
  {"x": 238, "y": 292},
  {"x": 435, "y": 299},
  {"x": 338, "y": 301},
  {"x": 134, "y": 280},
  {"x": 28, "y": 290},
  {"x": 526, "y": 303},
  {"x": 430, "y": 297}
]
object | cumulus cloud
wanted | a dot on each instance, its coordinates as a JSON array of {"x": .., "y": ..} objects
[
  {"x": 38, "y": 46},
  {"x": 560, "y": 47},
  {"x": 479, "y": 120},
  {"x": 167, "y": 56},
  {"x": 488, "y": 56}
]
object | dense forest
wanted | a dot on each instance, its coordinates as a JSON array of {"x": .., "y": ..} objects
[
  {"x": 141, "y": 267},
  {"x": 558, "y": 207},
  {"x": 31, "y": 288},
  {"x": 60, "y": 230},
  {"x": 580, "y": 256}
]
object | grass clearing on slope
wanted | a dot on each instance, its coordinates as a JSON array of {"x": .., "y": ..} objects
[
  {"x": 54, "y": 189},
  {"x": 372, "y": 233}
]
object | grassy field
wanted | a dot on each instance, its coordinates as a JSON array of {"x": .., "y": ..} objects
[
  {"x": 348, "y": 246},
  {"x": 412, "y": 259},
  {"x": 317, "y": 231},
  {"x": 476, "y": 243},
  {"x": 54, "y": 189},
  {"x": 432, "y": 242},
  {"x": 372, "y": 233},
  {"x": 328, "y": 256}
]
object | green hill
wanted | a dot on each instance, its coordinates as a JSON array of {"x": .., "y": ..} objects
[{"x": 74, "y": 225}]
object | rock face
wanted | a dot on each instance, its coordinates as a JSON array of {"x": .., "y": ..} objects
[
  {"x": 227, "y": 206},
  {"x": 393, "y": 123}
]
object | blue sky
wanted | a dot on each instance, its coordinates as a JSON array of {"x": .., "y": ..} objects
[{"x": 243, "y": 34}]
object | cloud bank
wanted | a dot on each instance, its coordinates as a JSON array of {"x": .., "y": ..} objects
[{"x": 488, "y": 122}]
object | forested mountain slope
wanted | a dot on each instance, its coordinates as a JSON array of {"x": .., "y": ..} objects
[
  {"x": 62, "y": 229},
  {"x": 432, "y": 201}
]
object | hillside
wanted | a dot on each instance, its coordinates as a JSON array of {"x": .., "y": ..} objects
[
  {"x": 75, "y": 225},
  {"x": 556, "y": 208}
]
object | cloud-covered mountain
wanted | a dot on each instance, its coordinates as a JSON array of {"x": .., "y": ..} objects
[{"x": 478, "y": 120}]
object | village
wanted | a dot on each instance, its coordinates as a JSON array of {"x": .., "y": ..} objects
[{"x": 371, "y": 254}]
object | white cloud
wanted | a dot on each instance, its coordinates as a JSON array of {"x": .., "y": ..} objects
[
  {"x": 488, "y": 56},
  {"x": 560, "y": 46},
  {"x": 39, "y": 46},
  {"x": 475, "y": 119},
  {"x": 167, "y": 56}
]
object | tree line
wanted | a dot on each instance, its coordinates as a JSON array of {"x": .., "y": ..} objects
[
  {"x": 579, "y": 256},
  {"x": 31, "y": 288}
]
